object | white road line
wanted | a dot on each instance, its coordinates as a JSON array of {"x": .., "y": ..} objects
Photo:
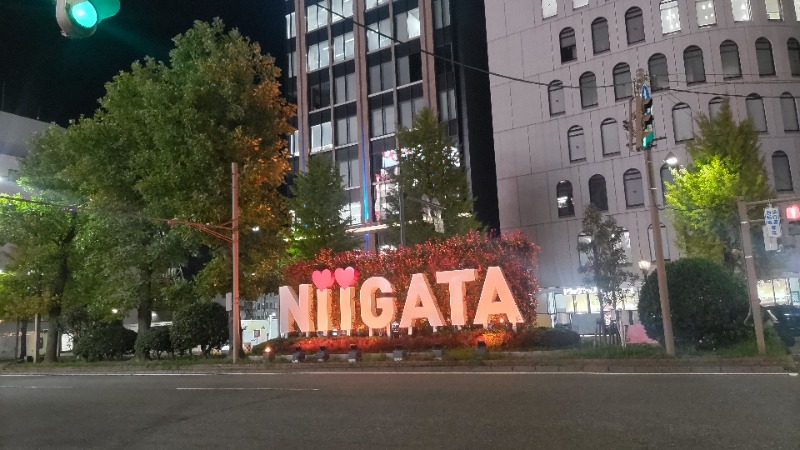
[
  {"x": 242, "y": 389},
  {"x": 791, "y": 374},
  {"x": 35, "y": 387}
]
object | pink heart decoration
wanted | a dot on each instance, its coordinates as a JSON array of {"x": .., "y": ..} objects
[
  {"x": 346, "y": 277},
  {"x": 322, "y": 279}
]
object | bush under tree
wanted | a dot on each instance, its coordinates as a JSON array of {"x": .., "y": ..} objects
[
  {"x": 708, "y": 305},
  {"x": 203, "y": 324},
  {"x": 154, "y": 341},
  {"x": 104, "y": 341}
]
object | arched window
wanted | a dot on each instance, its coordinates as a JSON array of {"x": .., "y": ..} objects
[
  {"x": 549, "y": 8},
  {"x": 664, "y": 242},
  {"x": 577, "y": 149},
  {"x": 634, "y": 25},
  {"x": 609, "y": 134},
  {"x": 623, "y": 86},
  {"x": 766, "y": 65},
  {"x": 682, "y": 123},
  {"x": 634, "y": 194},
  {"x": 793, "y": 47},
  {"x": 774, "y": 11},
  {"x": 600, "y": 42},
  {"x": 714, "y": 105},
  {"x": 583, "y": 255},
  {"x": 729, "y": 53},
  {"x": 705, "y": 12},
  {"x": 666, "y": 177},
  {"x": 755, "y": 109},
  {"x": 588, "y": 84},
  {"x": 741, "y": 10},
  {"x": 659, "y": 72},
  {"x": 670, "y": 19},
  {"x": 789, "y": 112},
  {"x": 782, "y": 172},
  {"x": 569, "y": 49},
  {"x": 579, "y": 3},
  {"x": 693, "y": 65},
  {"x": 555, "y": 96},
  {"x": 597, "y": 192},
  {"x": 564, "y": 201}
]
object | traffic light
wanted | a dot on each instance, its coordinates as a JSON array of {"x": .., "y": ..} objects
[
  {"x": 79, "y": 18},
  {"x": 648, "y": 132}
]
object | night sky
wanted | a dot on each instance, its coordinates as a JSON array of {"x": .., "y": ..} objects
[{"x": 48, "y": 77}]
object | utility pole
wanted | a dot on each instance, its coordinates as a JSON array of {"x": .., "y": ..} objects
[
  {"x": 235, "y": 256},
  {"x": 643, "y": 134}
]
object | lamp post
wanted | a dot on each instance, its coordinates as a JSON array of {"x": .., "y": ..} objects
[{"x": 644, "y": 266}]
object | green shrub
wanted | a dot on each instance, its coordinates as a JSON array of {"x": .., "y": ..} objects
[
  {"x": 708, "y": 305},
  {"x": 203, "y": 324},
  {"x": 156, "y": 341},
  {"x": 104, "y": 341}
]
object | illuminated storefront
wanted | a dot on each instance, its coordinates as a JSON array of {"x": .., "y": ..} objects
[
  {"x": 780, "y": 291},
  {"x": 579, "y": 308}
]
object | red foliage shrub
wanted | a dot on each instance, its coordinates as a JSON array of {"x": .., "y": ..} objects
[{"x": 514, "y": 253}]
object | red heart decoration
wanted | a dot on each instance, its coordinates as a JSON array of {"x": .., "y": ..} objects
[
  {"x": 322, "y": 279},
  {"x": 346, "y": 277}
]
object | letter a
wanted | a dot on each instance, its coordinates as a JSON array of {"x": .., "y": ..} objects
[
  {"x": 420, "y": 303},
  {"x": 494, "y": 287}
]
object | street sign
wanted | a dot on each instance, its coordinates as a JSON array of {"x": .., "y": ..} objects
[
  {"x": 772, "y": 221},
  {"x": 645, "y": 92}
]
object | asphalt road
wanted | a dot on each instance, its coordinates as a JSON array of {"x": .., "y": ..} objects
[{"x": 401, "y": 410}]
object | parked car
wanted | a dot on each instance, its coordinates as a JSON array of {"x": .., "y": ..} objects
[{"x": 786, "y": 320}]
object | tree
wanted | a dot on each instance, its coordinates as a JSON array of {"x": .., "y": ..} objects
[
  {"x": 606, "y": 264},
  {"x": 429, "y": 166},
  {"x": 317, "y": 202},
  {"x": 726, "y": 164},
  {"x": 203, "y": 324},
  {"x": 161, "y": 145}
]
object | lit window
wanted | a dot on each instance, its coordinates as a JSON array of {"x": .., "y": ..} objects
[
  {"x": 564, "y": 201},
  {"x": 555, "y": 96},
  {"x": 321, "y": 137},
  {"x": 729, "y": 53},
  {"x": 600, "y": 42},
  {"x": 634, "y": 25},
  {"x": 705, "y": 12},
  {"x": 755, "y": 110},
  {"x": 316, "y": 16},
  {"x": 774, "y": 11},
  {"x": 741, "y": 10},
  {"x": 670, "y": 19},
  {"x": 343, "y": 47},
  {"x": 781, "y": 172},
  {"x": 682, "y": 123},
  {"x": 373, "y": 3},
  {"x": 693, "y": 65},
  {"x": 577, "y": 148},
  {"x": 634, "y": 193},
  {"x": 766, "y": 65},
  {"x": 549, "y": 8},
  {"x": 789, "y": 112},
  {"x": 623, "y": 86},
  {"x": 407, "y": 25},
  {"x": 609, "y": 134},
  {"x": 797, "y": 10},
  {"x": 597, "y": 192},
  {"x": 588, "y": 88},
  {"x": 291, "y": 30},
  {"x": 659, "y": 73},
  {"x": 379, "y": 35}
]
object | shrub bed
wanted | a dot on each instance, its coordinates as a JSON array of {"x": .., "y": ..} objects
[{"x": 104, "y": 342}]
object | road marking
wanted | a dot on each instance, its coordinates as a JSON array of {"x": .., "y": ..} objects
[
  {"x": 243, "y": 389},
  {"x": 352, "y": 372},
  {"x": 35, "y": 387}
]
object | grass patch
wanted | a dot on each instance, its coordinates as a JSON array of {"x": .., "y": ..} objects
[{"x": 631, "y": 351}]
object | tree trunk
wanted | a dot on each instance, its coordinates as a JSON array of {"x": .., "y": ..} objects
[
  {"x": 53, "y": 333},
  {"x": 144, "y": 313},
  {"x": 23, "y": 338}
]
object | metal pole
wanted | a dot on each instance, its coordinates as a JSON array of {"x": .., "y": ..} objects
[
  {"x": 750, "y": 269},
  {"x": 663, "y": 292},
  {"x": 37, "y": 329},
  {"x": 235, "y": 256}
]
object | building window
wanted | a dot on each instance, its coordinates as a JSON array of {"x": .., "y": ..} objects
[
  {"x": 564, "y": 201},
  {"x": 441, "y": 13},
  {"x": 789, "y": 112},
  {"x": 341, "y": 9},
  {"x": 316, "y": 16},
  {"x": 597, "y": 192},
  {"x": 741, "y": 10},
  {"x": 291, "y": 28},
  {"x": 600, "y": 42},
  {"x": 555, "y": 97},
  {"x": 729, "y": 53},
  {"x": 755, "y": 110},
  {"x": 409, "y": 66},
  {"x": 588, "y": 87},
  {"x": 569, "y": 50},
  {"x": 409, "y": 104},
  {"x": 382, "y": 117},
  {"x": 380, "y": 72},
  {"x": 583, "y": 256},
  {"x": 344, "y": 86},
  {"x": 670, "y": 19},
  {"x": 346, "y": 125},
  {"x": 714, "y": 105},
  {"x": 319, "y": 90},
  {"x": 318, "y": 56},
  {"x": 373, "y": 3},
  {"x": 321, "y": 137},
  {"x": 634, "y": 194},
  {"x": 623, "y": 86},
  {"x": 343, "y": 47},
  {"x": 705, "y": 12},
  {"x": 634, "y": 25},
  {"x": 549, "y": 8},
  {"x": 407, "y": 25},
  {"x": 347, "y": 160},
  {"x": 793, "y": 47},
  {"x": 664, "y": 243},
  {"x": 682, "y": 123},
  {"x": 291, "y": 64},
  {"x": 609, "y": 135},
  {"x": 577, "y": 149},
  {"x": 766, "y": 65},
  {"x": 693, "y": 65},
  {"x": 447, "y": 105},
  {"x": 666, "y": 178},
  {"x": 782, "y": 172},
  {"x": 659, "y": 73},
  {"x": 797, "y": 10},
  {"x": 774, "y": 11},
  {"x": 379, "y": 35}
]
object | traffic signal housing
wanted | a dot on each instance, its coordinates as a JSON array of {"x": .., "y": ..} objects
[
  {"x": 79, "y": 18},
  {"x": 648, "y": 133}
]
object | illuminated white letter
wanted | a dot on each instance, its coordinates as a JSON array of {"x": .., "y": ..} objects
[
  {"x": 370, "y": 303},
  {"x": 420, "y": 303},
  {"x": 347, "y": 306},
  {"x": 457, "y": 285},
  {"x": 294, "y": 309},
  {"x": 323, "y": 309},
  {"x": 496, "y": 287}
]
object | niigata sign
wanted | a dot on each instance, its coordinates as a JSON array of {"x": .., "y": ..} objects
[{"x": 377, "y": 300}]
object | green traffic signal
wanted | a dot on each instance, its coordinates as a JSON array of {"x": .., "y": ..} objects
[
  {"x": 647, "y": 130},
  {"x": 79, "y": 18},
  {"x": 84, "y": 14}
]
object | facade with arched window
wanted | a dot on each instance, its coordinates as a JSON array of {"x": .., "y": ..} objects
[{"x": 697, "y": 53}]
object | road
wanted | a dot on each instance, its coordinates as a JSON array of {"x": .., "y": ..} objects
[{"x": 401, "y": 410}]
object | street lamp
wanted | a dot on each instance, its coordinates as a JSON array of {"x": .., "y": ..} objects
[
  {"x": 671, "y": 159},
  {"x": 644, "y": 266}
]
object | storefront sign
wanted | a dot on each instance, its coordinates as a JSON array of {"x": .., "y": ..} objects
[{"x": 377, "y": 300}]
